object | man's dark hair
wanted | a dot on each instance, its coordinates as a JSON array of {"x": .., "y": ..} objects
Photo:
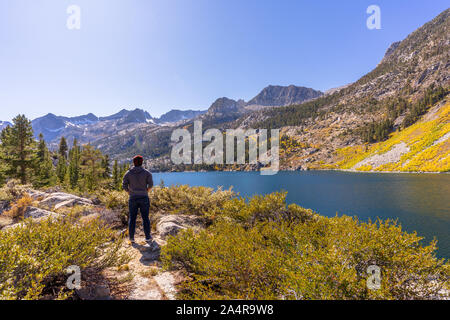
[{"x": 138, "y": 161}]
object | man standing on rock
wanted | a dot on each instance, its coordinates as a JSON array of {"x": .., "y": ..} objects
[{"x": 138, "y": 182}]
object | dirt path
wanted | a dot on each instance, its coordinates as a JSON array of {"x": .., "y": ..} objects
[{"x": 143, "y": 276}]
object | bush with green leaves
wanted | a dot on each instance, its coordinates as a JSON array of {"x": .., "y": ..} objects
[
  {"x": 263, "y": 249},
  {"x": 179, "y": 199},
  {"x": 34, "y": 255}
]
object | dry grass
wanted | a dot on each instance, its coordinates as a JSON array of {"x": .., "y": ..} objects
[{"x": 19, "y": 208}]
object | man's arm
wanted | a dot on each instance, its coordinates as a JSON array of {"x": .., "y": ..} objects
[{"x": 125, "y": 183}]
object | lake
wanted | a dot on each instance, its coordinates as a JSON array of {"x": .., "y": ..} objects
[{"x": 420, "y": 202}]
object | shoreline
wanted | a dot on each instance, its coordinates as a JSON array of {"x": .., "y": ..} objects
[{"x": 338, "y": 170}]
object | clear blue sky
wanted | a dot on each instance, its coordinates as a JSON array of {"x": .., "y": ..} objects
[{"x": 164, "y": 54}]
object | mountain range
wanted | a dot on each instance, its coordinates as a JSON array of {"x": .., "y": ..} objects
[
  {"x": 319, "y": 130},
  {"x": 323, "y": 131},
  {"x": 89, "y": 128}
]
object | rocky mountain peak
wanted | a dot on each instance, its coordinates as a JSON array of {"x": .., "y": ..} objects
[
  {"x": 284, "y": 95},
  {"x": 225, "y": 105},
  {"x": 391, "y": 49},
  {"x": 136, "y": 116},
  {"x": 179, "y": 115}
]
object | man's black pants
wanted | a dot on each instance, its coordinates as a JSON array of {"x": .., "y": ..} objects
[{"x": 142, "y": 204}]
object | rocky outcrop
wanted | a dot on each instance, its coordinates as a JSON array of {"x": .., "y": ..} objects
[
  {"x": 179, "y": 115},
  {"x": 391, "y": 49},
  {"x": 60, "y": 199},
  {"x": 36, "y": 213},
  {"x": 283, "y": 96},
  {"x": 223, "y": 106},
  {"x": 171, "y": 224},
  {"x": 391, "y": 156}
]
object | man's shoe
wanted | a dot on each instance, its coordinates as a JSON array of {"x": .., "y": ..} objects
[
  {"x": 152, "y": 244},
  {"x": 131, "y": 242}
]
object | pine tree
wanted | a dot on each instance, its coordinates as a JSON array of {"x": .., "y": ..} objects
[
  {"x": 63, "y": 147},
  {"x": 91, "y": 166},
  {"x": 123, "y": 169},
  {"x": 42, "y": 148},
  {"x": 61, "y": 169},
  {"x": 44, "y": 171},
  {"x": 74, "y": 165},
  {"x": 116, "y": 176},
  {"x": 19, "y": 149},
  {"x": 106, "y": 165},
  {"x": 3, "y": 169}
]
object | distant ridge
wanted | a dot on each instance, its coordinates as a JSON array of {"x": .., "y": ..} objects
[
  {"x": 283, "y": 96},
  {"x": 179, "y": 115}
]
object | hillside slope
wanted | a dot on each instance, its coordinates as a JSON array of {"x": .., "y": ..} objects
[
  {"x": 422, "y": 147},
  {"x": 413, "y": 75}
]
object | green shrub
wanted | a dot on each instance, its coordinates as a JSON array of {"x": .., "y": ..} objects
[
  {"x": 271, "y": 207},
  {"x": 180, "y": 199},
  {"x": 248, "y": 254},
  {"x": 35, "y": 255},
  {"x": 183, "y": 199}
]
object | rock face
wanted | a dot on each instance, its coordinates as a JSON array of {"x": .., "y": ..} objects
[
  {"x": 136, "y": 116},
  {"x": 391, "y": 156},
  {"x": 59, "y": 199},
  {"x": 283, "y": 96},
  {"x": 179, "y": 115},
  {"x": 391, "y": 49},
  {"x": 53, "y": 126},
  {"x": 170, "y": 225},
  {"x": 36, "y": 213},
  {"x": 223, "y": 106}
]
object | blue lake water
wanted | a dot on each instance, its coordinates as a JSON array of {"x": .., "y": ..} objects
[{"x": 420, "y": 202}]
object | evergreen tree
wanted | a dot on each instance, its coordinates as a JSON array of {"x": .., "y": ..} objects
[
  {"x": 91, "y": 166},
  {"x": 116, "y": 176},
  {"x": 106, "y": 165},
  {"x": 19, "y": 149},
  {"x": 42, "y": 148},
  {"x": 63, "y": 147},
  {"x": 61, "y": 169},
  {"x": 124, "y": 169},
  {"x": 74, "y": 165},
  {"x": 44, "y": 171}
]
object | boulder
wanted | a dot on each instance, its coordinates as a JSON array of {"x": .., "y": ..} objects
[
  {"x": 35, "y": 194},
  {"x": 60, "y": 199},
  {"x": 35, "y": 213},
  {"x": 111, "y": 218},
  {"x": 170, "y": 225}
]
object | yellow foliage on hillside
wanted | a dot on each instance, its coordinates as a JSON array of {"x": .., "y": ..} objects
[{"x": 428, "y": 142}]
